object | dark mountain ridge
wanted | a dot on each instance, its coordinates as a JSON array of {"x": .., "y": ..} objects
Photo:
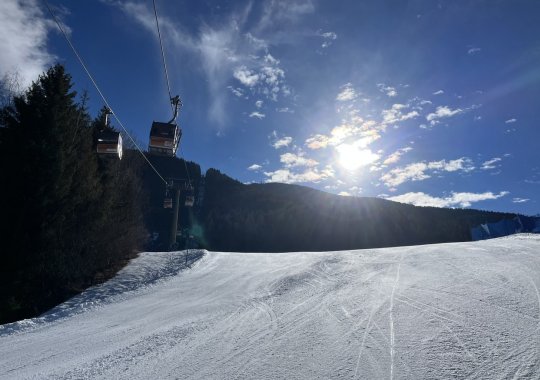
[
  {"x": 282, "y": 217},
  {"x": 276, "y": 217}
]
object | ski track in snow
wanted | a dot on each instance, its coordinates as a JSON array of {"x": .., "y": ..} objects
[{"x": 460, "y": 310}]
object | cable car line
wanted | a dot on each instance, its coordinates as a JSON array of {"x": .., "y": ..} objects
[
  {"x": 162, "y": 53},
  {"x": 175, "y": 110},
  {"x": 98, "y": 89}
]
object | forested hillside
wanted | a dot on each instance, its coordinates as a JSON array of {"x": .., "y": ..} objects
[
  {"x": 279, "y": 217},
  {"x": 69, "y": 218}
]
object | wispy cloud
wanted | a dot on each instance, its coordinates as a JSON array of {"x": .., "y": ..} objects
[
  {"x": 279, "y": 142},
  {"x": 312, "y": 175},
  {"x": 474, "y": 50},
  {"x": 328, "y": 39},
  {"x": 397, "y": 114},
  {"x": 490, "y": 164},
  {"x": 396, "y": 156},
  {"x": 257, "y": 115},
  {"x": 438, "y": 92},
  {"x": 230, "y": 51},
  {"x": 420, "y": 171},
  {"x": 388, "y": 90},
  {"x": 346, "y": 93},
  {"x": 291, "y": 160},
  {"x": 24, "y": 31},
  {"x": 284, "y": 110},
  {"x": 510, "y": 121},
  {"x": 246, "y": 77},
  {"x": 254, "y": 167},
  {"x": 464, "y": 199},
  {"x": 442, "y": 112},
  {"x": 236, "y": 91},
  {"x": 520, "y": 200}
]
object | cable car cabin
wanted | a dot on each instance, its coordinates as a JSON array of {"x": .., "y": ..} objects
[
  {"x": 164, "y": 138},
  {"x": 167, "y": 203},
  {"x": 109, "y": 142},
  {"x": 190, "y": 201}
]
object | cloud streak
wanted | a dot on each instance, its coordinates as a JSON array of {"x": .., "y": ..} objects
[
  {"x": 420, "y": 171},
  {"x": 463, "y": 199}
]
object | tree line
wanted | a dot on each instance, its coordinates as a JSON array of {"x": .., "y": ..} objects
[{"x": 68, "y": 218}]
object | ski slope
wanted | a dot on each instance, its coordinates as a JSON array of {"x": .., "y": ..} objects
[{"x": 461, "y": 310}]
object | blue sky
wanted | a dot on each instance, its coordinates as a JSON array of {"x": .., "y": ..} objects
[{"x": 424, "y": 102}]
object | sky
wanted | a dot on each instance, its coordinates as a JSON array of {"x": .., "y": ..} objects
[{"x": 432, "y": 103}]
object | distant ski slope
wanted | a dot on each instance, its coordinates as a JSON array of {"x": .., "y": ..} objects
[{"x": 461, "y": 310}]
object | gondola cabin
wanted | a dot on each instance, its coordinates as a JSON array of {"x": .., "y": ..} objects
[
  {"x": 190, "y": 201},
  {"x": 109, "y": 143},
  {"x": 164, "y": 138},
  {"x": 167, "y": 203}
]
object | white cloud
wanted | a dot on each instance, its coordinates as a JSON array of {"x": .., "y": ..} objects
[
  {"x": 474, "y": 50},
  {"x": 442, "y": 112},
  {"x": 257, "y": 114},
  {"x": 282, "y": 142},
  {"x": 255, "y": 167},
  {"x": 388, "y": 90},
  {"x": 309, "y": 175},
  {"x": 395, "y": 114},
  {"x": 396, "y": 156},
  {"x": 438, "y": 92},
  {"x": 328, "y": 39},
  {"x": 291, "y": 160},
  {"x": 510, "y": 121},
  {"x": 411, "y": 172},
  {"x": 464, "y": 164},
  {"x": 317, "y": 141},
  {"x": 490, "y": 163},
  {"x": 259, "y": 103},
  {"x": 520, "y": 200},
  {"x": 418, "y": 171},
  {"x": 464, "y": 199},
  {"x": 23, "y": 40},
  {"x": 245, "y": 76},
  {"x": 347, "y": 93}
]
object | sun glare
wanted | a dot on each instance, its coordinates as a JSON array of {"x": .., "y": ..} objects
[{"x": 351, "y": 157}]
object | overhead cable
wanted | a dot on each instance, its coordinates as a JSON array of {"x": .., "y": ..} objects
[{"x": 98, "y": 90}]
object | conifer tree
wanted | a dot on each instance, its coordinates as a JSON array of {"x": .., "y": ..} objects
[{"x": 67, "y": 213}]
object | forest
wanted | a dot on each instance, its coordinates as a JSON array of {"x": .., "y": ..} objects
[{"x": 69, "y": 218}]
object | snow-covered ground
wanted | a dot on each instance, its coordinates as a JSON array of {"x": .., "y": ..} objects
[{"x": 462, "y": 310}]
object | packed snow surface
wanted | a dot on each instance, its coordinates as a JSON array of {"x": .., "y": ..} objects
[{"x": 462, "y": 310}]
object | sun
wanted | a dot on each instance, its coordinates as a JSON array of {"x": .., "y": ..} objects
[{"x": 351, "y": 157}]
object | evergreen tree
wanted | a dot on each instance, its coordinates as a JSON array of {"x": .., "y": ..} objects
[{"x": 68, "y": 214}]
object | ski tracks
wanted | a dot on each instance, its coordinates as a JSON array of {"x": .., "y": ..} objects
[{"x": 391, "y": 318}]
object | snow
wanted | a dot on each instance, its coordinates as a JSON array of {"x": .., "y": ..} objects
[{"x": 460, "y": 310}]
